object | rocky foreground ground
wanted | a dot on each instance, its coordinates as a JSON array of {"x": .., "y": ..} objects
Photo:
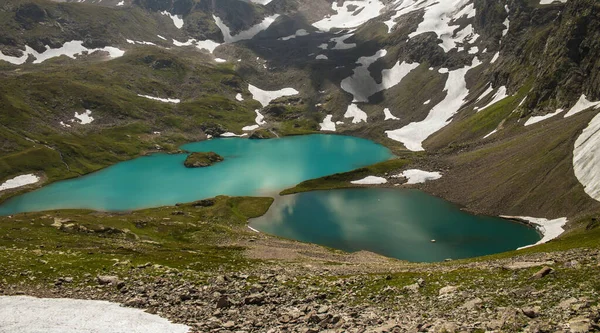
[{"x": 549, "y": 292}]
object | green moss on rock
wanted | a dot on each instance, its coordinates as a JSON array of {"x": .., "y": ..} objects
[{"x": 202, "y": 159}]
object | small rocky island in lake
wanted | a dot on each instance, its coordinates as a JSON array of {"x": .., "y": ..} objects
[{"x": 202, "y": 160}]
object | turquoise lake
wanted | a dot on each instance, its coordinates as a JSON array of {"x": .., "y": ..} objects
[
  {"x": 397, "y": 223},
  {"x": 251, "y": 167}
]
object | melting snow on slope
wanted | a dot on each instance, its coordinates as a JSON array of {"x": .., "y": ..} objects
[
  {"x": 85, "y": 117},
  {"x": 250, "y": 128},
  {"x": 550, "y": 229},
  {"x": 298, "y": 33},
  {"x": 586, "y": 158},
  {"x": 19, "y": 181},
  {"x": 362, "y": 85},
  {"x": 413, "y": 134},
  {"x": 207, "y": 44},
  {"x": 328, "y": 124},
  {"x": 177, "y": 20},
  {"x": 261, "y": 2},
  {"x": 164, "y": 100},
  {"x": 388, "y": 115},
  {"x": 506, "y": 21},
  {"x": 340, "y": 43},
  {"x": 370, "y": 180},
  {"x": 232, "y": 135},
  {"x": 239, "y": 97},
  {"x": 416, "y": 176},
  {"x": 498, "y": 96},
  {"x": 28, "y": 315},
  {"x": 355, "y": 113},
  {"x": 438, "y": 17},
  {"x": 140, "y": 43},
  {"x": 265, "y": 97},
  {"x": 537, "y": 119},
  {"x": 582, "y": 104},
  {"x": 69, "y": 49},
  {"x": 246, "y": 34},
  {"x": 547, "y": 2},
  {"x": 362, "y": 11}
]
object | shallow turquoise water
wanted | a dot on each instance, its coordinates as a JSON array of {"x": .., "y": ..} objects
[
  {"x": 397, "y": 223},
  {"x": 251, "y": 167}
]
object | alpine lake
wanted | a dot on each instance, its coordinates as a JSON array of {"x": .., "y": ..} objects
[{"x": 399, "y": 223}]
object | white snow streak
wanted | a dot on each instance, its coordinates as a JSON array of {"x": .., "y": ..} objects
[
  {"x": 69, "y": 49},
  {"x": 413, "y": 134},
  {"x": 582, "y": 104},
  {"x": 537, "y": 119},
  {"x": 164, "y": 100},
  {"x": 246, "y": 34},
  {"x": 586, "y": 158}
]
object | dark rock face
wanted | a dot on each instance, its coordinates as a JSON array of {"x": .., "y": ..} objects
[
  {"x": 30, "y": 13},
  {"x": 202, "y": 160}
]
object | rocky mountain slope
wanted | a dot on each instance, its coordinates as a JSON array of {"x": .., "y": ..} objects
[
  {"x": 500, "y": 97},
  {"x": 474, "y": 84}
]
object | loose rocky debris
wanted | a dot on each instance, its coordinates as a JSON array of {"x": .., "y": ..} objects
[{"x": 296, "y": 297}]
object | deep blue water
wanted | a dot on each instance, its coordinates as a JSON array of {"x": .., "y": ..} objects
[{"x": 397, "y": 223}]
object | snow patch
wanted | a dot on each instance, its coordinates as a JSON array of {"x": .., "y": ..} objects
[
  {"x": 582, "y": 104},
  {"x": 246, "y": 34},
  {"x": 322, "y": 57},
  {"x": 264, "y": 97},
  {"x": 498, "y": 96},
  {"x": 327, "y": 124},
  {"x": 220, "y": 60},
  {"x": 550, "y": 229},
  {"x": 490, "y": 134},
  {"x": 388, "y": 115},
  {"x": 362, "y": 11},
  {"x": 355, "y": 113},
  {"x": 416, "y": 176},
  {"x": 413, "y": 134},
  {"x": 177, "y": 20},
  {"x": 29, "y": 314},
  {"x": 495, "y": 57},
  {"x": 362, "y": 85},
  {"x": 537, "y": 119},
  {"x": 586, "y": 158},
  {"x": 340, "y": 43},
  {"x": 121, "y": 3},
  {"x": 231, "y": 135},
  {"x": 438, "y": 19},
  {"x": 207, "y": 44},
  {"x": 70, "y": 49},
  {"x": 164, "y": 100},
  {"x": 19, "y": 181},
  {"x": 547, "y": 2},
  {"x": 250, "y": 128},
  {"x": 85, "y": 117},
  {"x": 370, "y": 180},
  {"x": 298, "y": 33},
  {"x": 239, "y": 97}
]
